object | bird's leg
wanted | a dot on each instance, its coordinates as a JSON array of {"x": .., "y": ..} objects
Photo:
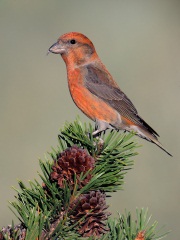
[{"x": 100, "y": 126}]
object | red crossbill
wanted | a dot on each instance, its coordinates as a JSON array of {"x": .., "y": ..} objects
[{"x": 94, "y": 90}]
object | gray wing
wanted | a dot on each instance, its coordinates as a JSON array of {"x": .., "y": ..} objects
[{"x": 102, "y": 85}]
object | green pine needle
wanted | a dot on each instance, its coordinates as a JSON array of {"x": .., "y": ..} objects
[
  {"x": 125, "y": 228},
  {"x": 44, "y": 208}
]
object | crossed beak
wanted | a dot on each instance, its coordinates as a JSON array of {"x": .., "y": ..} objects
[{"x": 56, "y": 48}]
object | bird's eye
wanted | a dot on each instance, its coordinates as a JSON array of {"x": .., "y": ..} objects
[{"x": 73, "y": 41}]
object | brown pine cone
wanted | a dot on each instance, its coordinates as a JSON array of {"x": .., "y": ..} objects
[
  {"x": 9, "y": 232},
  {"x": 73, "y": 161},
  {"x": 89, "y": 210}
]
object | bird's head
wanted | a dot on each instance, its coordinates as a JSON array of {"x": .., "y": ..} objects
[{"x": 75, "y": 48}]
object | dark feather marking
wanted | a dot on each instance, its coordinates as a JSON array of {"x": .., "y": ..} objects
[{"x": 98, "y": 83}]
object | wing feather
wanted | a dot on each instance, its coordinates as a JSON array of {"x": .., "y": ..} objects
[{"x": 101, "y": 84}]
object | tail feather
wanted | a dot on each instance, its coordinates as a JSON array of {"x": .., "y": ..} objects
[
  {"x": 144, "y": 133},
  {"x": 160, "y": 145}
]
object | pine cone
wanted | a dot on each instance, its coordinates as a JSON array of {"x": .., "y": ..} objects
[
  {"x": 9, "y": 232},
  {"x": 91, "y": 208},
  {"x": 1, "y": 236},
  {"x": 73, "y": 161},
  {"x": 141, "y": 235}
]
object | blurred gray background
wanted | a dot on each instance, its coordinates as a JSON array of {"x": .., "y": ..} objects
[{"x": 139, "y": 42}]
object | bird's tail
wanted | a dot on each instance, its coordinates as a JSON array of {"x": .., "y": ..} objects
[
  {"x": 155, "y": 141},
  {"x": 144, "y": 133}
]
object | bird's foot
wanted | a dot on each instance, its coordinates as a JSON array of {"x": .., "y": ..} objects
[{"x": 99, "y": 144}]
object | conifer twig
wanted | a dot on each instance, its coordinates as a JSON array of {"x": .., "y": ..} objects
[{"x": 71, "y": 201}]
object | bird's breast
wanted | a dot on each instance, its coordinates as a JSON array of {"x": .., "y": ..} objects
[{"x": 88, "y": 103}]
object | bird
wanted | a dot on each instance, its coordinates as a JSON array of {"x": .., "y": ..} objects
[{"x": 95, "y": 92}]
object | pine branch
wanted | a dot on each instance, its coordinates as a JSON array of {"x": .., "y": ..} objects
[
  {"x": 125, "y": 228},
  {"x": 113, "y": 155},
  {"x": 70, "y": 203}
]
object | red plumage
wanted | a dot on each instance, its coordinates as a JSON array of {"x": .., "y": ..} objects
[{"x": 94, "y": 90}]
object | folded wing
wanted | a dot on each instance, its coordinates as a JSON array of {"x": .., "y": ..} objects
[{"x": 101, "y": 84}]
